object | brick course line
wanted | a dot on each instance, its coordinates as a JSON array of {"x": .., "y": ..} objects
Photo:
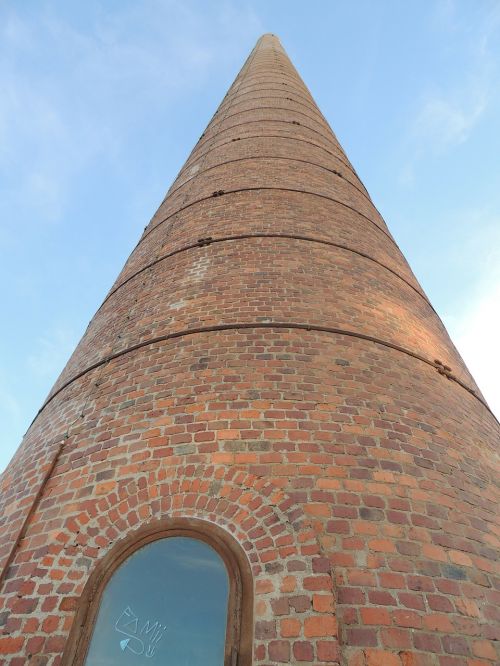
[
  {"x": 224, "y": 239},
  {"x": 291, "y": 84},
  {"x": 348, "y": 165},
  {"x": 288, "y": 87},
  {"x": 283, "y": 86},
  {"x": 330, "y": 140},
  {"x": 259, "y": 108},
  {"x": 257, "y": 189},
  {"x": 286, "y": 138},
  {"x": 260, "y": 325},
  {"x": 288, "y": 99},
  {"x": 304, "y": 92},
  {"x": 269, "y": 157},
  {"x": 256, "y": 88},
  {"x": 292, "y": 80}
]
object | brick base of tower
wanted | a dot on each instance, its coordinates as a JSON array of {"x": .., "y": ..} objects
[{"x": 268, "y": 364}]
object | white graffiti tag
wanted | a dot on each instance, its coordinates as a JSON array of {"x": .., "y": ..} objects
[{"x": 142, "y": 637}]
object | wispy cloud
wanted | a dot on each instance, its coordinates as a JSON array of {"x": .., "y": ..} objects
[
  {"x": 449, "y": 111},
  {"x": 444, "y": 122},
  {"x": 62, "y": 85}
]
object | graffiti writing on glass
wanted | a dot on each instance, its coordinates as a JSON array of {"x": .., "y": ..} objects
[{"x": 142, "y": 636}]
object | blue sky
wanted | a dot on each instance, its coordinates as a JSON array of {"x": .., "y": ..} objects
[{"x": 102, "y": 101}]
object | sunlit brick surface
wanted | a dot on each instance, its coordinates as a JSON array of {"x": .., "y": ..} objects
[{"x": 266, "y": 361}]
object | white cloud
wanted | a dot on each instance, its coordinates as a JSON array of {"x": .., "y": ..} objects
[
  {"x": 71, "y": 95},
  {"x": 447, "y": 113},
  {"x": 444, "y": 122}
]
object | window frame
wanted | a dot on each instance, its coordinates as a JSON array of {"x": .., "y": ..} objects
[{"x": 239, "y": 627}]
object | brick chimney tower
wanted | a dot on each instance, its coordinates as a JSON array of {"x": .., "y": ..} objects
[{"x": 265, "y": 449}]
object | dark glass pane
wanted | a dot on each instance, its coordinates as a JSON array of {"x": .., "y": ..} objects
[{"x": 165, "y": 605}]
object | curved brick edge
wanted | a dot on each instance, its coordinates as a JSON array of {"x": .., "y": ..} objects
[{"x": 294, "y": 600}]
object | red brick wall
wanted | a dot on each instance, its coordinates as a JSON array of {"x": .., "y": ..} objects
[{"x": 279, "y": 381}]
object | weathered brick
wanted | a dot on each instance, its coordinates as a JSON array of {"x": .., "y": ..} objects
[
  {"x": 303, "y": 651},
  {"x": 455, "y": 645},
  {"x": 279, "y": 651},
  {"x": 327, "y": 651},
  {"x": 363, "y": 637}
]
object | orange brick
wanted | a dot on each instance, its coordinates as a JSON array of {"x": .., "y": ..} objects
[
  {"x": 467, "y": 607},
  {"x": 323, "y": 603},
  {"x": 290, "y": 627},
  {"x": 484, "y": 649},
  {"x": 228, "y": 434},
  {"x": 382, "y": 545},
  {"x": 436, "y": 622},
  {"x": 381, "y": 658},
  {"x": 434, "y": 552},
  {"x": 320, "y": 625},
  {"x": 10, "y": 645},
  {"x": 375, "y": 616}
]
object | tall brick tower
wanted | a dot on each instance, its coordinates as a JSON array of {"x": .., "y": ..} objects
[{"x": 267, "y": 380}]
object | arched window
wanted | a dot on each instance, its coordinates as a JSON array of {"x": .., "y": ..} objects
[{"x": 173, "y": 597}]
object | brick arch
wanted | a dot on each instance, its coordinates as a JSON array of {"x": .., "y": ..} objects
[
  {"x": 239, "y": 634},
  {"x": 294, "y": 604}
]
